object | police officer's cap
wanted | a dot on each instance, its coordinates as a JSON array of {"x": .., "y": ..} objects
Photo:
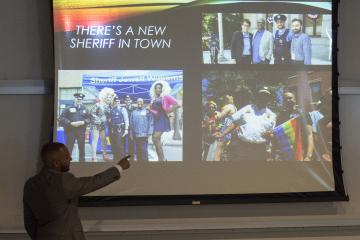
[
  {"x": 79, "y": 95},
  {"x": 280, "y": 17},
  {"x": 127, "y": 97},
  {"x": 116, "y": 98},
  {"x": 264, "y": 90}
]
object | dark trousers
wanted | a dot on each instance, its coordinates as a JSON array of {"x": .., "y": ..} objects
[
  {"x": 243, "y": 151},
  {"x": 245, "y": 59},
  {"x": 78, "y": 134},
  {"x": 142, "y": 149},
  {"x": 297, "y": 62},
  {"x": 213, "y": 55},
  {"x": 282, "y": 60},
  {"x": 266, "y": 61},
  {"x": 116, "y": 141},
  {"x": 129, "y": 146}
]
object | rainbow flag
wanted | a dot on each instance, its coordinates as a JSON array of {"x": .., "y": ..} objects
[{"x": 289, "y": 139}]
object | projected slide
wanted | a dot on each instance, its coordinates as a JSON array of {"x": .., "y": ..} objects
[
  {"x": 279, "y": 121},
  {"x": 215, "y": 101},
  {"x": 118, "y": 111}
]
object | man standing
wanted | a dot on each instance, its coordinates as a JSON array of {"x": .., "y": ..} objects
[
  {"x": 142, "y": 127},
  {"x": 51, "y": 197},
  {"x": 118, "y": 122},
  {"x": 253, "y": 122},
  {"x": 128, "y": 142},
  {"x": 263, "y": 44},
  {"x": 214, "y": 48},
  {"x": 282, "y": 42},
  {"x": 300, "y": 44},
  {"x": 74, "y": 120},
  {"x": 241, "y": 44},
  {"x": 291, "y": 110}
]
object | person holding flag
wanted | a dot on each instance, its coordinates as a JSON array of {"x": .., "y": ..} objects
[{"x": 293, "y": 138}]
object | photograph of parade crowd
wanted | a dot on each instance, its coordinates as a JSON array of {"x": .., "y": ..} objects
[
  {"x": 252, "y": 38},
  {"x": 105, "y": 115},
  {"x": 267, "y": 116}
]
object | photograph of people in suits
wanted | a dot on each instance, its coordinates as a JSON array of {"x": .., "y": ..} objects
[{"x": 267, "y": 38}]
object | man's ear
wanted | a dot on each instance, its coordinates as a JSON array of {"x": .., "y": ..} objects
[{"x": 55, "y": 163}]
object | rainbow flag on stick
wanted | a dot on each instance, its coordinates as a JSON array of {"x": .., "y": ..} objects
[{"x": 289, "y": 139}]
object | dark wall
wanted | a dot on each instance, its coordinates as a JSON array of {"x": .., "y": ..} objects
[{"x": 26, "y": 40}]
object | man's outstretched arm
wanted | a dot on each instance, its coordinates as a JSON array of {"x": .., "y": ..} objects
[{"x": 76, "y": 187}]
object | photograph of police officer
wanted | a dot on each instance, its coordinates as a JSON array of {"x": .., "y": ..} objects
[
  {"x": 251, "y": 123},
  {"x": 118, "y": 123},
  {"x": 262, "y": 102},
  {"x": 281, "y": 40},
  {"x": 74, "y": 119},
  {"x": 105, "y": 119}
]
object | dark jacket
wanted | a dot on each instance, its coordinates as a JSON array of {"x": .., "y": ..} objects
[
  {"x": 51, "y": 202},
  {"x": 237, "y": 44}
]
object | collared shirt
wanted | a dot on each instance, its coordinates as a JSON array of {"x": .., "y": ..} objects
[
  {"x": 301, "y": 48},
  {"x": 253, "y": 123},
  {"x": 74, "y": 113},
  {"x": 256, "y": 46},
  {"x": 247, "y": 46},
  {"x": 141, "y": 121},
  {"x": 281, "y": 31}
]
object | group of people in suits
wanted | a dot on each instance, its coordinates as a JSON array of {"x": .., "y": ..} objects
[{"x": 261, "y": 47}]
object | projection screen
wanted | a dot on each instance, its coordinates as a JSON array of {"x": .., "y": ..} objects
[{"x": 216, "y": 101}]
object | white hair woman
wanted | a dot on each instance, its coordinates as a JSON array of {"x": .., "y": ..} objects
[
  {"x": 98, "y": 120},
  {"x": 162, "y": 103}
]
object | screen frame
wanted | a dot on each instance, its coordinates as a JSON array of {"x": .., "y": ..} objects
[{"x": 325, "y": 196}]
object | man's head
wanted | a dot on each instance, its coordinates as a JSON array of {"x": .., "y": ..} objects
[
  {"x": 296, "y": 25},
  {"x": 211, "y": 107},
  {"x": 261, "y": 24},
  {"x": 78, "y": 98},
  {"x": 56, "y": 156},
  {"x": 245, "y": 25},
  {"x": 280, "y": 21},
  {"x": 127, "y": 100},
  {"x": 289, "y": 101},
  {"x": 140, "y": 102},
  {"x": 262, "y": 97},
  {"x": 116, "y": 101}
]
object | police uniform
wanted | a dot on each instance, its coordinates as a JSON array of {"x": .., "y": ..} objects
[
  {"x": 75, "y": 113},
  {"x": 118, "y": 122},
  {"x": 128, "y": 142},
  {"x": 281, "y": 43},
  {"x": 252, "y": 122}
]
